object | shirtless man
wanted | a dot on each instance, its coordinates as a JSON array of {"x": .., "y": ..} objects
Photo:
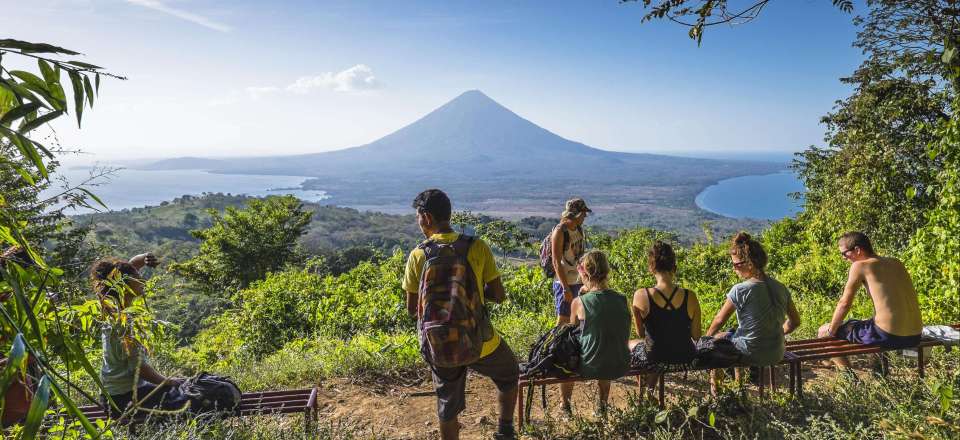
[{"x": 896, "y": 322}]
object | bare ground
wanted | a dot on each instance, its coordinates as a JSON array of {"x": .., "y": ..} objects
[{"x": 409, "y": 411}]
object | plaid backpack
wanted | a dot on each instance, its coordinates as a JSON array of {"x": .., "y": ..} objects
[{"x": 453, "y": 323}]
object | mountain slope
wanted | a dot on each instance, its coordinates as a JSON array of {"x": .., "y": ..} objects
[{"x": 472, "y": 136}]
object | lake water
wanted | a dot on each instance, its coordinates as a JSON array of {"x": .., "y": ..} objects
[
  {"x": 761, "y": 197},
  {"x": 130, "y": 188}
]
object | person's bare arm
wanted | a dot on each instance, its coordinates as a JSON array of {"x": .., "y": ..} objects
[
  {"x": 793, "y": 318},
  {"x": 696, "y": 326},
  {"x": 576, "y": 309},
  {"x": 150, "y": 374},
  {"x": 556, "y": 254},
  {"x": 494, "y": 291},
  {"x": 145, "y": 259},
  {"x": 854, "y": 281},
  {"x": 640, "y": 310},
  {"x": 722, "y": 315},
  {"x": 412, "y": 303}
]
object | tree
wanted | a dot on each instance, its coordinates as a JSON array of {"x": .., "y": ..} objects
[
  {"x": 699, "y": 14},
  {"x": 31, "y": 325},
  {"x": 243, "y": 245},
  {"x": 874, "y": 172},
  {"x": 934, "y": 253}
]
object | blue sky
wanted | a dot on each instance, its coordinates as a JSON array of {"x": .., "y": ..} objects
[{"x": 217, "y": 78}]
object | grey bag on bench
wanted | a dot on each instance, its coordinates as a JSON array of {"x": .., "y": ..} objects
[
  {"x": 210, "y": 393},
  {"x": 716, "y": 353}
]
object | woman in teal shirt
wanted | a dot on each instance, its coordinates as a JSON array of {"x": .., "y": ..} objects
[{"x": 604, "y": 319}]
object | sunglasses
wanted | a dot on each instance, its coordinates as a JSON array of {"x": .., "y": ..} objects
[{"x": 844, "y": 253}]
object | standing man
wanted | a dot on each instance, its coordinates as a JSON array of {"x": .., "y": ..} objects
[
  {"x": 566, "y": 248},
  {"x": 480, "y": 278},
  {"x": 896, "y": 322}
]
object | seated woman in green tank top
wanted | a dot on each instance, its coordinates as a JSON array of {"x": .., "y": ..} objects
[{"x": 604, "y": 319}]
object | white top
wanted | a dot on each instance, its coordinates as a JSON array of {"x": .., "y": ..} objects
[{"x": 569, "y": 261}]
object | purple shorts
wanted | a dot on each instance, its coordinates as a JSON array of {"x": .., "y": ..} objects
[
  {"x": 867, "y": 333},
  {"x": 563, "y": 307}
]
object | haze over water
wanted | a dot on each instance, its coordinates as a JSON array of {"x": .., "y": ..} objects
[{"x": 130, "y": 188}]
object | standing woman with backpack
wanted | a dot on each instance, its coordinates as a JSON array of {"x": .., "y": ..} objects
[
  {"x": 604, "y": 321},
  {"x": 566, "y": 244}
]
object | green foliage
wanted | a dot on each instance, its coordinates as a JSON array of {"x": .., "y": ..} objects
[
  {"x": 874, "y": 175},
  {"x": 29, "y": 320},
  {"x": 243, "y": 245},
  {"x": 934, "y": 255},
  {"x": 700, "y": 14},
  {"x": 279, "y": 309}
]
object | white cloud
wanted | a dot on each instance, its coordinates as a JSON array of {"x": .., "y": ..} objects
[
  {"x": 256, "y": 93},
  {"x": 157, "y": 5},
  {"x": 358, "y": 78}
]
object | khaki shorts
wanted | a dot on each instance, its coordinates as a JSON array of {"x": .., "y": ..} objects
[{"x": 451, "y": 383}]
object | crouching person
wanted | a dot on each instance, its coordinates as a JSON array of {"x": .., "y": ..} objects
[
  {"x": 447, "y": 280},
  {"x": 126, "y": 374},
  {"x": 604, "y": 320}
]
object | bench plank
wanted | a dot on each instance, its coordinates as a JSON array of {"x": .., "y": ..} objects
[{"x": 266, "y": 402}]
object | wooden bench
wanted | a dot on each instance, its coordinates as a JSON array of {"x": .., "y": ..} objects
[
  {"x": 523, "y": 407},
  {"x": 796, "y": 353},
  {"x": 830, "y": 347},
  {"x": 267, "y": 402}
]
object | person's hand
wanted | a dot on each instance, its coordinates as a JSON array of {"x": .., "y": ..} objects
[
  {"x": 176, "y": 381},
  {"x": 145, "y": 259}
]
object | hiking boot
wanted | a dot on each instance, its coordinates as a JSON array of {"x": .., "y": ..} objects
[
  {"x": 505, "y": 434},
  {"x": 567, "y": 411}
]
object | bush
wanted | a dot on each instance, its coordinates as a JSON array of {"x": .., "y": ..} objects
[{"x": 278, "y": 309}]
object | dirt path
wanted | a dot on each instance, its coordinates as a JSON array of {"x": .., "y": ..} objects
[{"x": 409, "y": 412}]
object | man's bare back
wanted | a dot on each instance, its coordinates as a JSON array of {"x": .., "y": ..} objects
[{"x": 895, "y": 304}]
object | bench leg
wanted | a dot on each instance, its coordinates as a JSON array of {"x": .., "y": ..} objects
[
  {"x": 773, "y": 379},
  {"x": 793, "y": 381},
  {"x": 920, "y": 367},
  {"x": 661, "y": 397},
  {"x": 799, "y": 380},
  {"x": 884, "y": 365},
  {"x": 760, "y": 379},
  {"x": 520, "y": 421}
]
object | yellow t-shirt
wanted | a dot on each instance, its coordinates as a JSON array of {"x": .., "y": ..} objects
[{"x": 481, "y": 261}]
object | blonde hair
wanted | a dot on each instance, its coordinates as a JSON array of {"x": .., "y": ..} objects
[{"x": 596, "y": 266}]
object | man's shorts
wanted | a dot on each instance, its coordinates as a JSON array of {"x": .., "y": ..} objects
[
  {"x": 866, "y": 332},
  {"x": 451, "y": 383},
  {"x": 563, "y": 307}
]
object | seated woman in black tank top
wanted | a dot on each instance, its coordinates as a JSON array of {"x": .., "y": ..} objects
[{"x": 667, "y": 317}]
